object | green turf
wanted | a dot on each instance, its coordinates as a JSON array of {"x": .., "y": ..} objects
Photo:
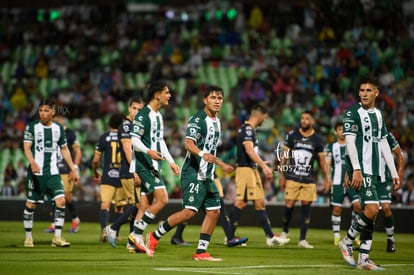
[{"x": 88, "y": 256}]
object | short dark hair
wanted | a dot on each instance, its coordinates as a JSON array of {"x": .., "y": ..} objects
[
  {"x": 136, "y": 99},
  {"x": 155, "y": 87},
  {"x": 369, "y": 79},
  {"x": 115, "y": 120},
  {"x": 338, "y": 124},
  {"x": 48, "y": 102},
  {"x": 211, "y": 89},
  {"x": 259, "y": 108},
  {"x": 309, "y": 112}
]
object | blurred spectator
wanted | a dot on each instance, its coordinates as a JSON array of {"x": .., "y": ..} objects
[
  {"x": 10, "y": 174},
  {"x": 7, "y": 190}
]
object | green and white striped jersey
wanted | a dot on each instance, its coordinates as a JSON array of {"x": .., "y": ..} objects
[
  {"x": 369, "y": 128},
  {"x": 336, "y": 152},
  {"x": 148, "y": 126},
  {"x": 205, "y": 131},
  {"x": 45, "y": 142}
]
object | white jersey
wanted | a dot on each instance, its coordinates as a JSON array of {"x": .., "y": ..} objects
[{"x": 45, "y": 141}]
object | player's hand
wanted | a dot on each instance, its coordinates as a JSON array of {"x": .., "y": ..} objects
[
  {"x": 347, "y": 183},
  {"x": 396, "y": 183},
  {"x": 74, "y": 176},
  {"x": 35, "y": 167},
  {"x": 175, "y": 168},
  {"x": 155, "y": 155},
  {"x": 227, "y": 168},
  {"x": 268, "y": 172},
  {"x": 356, "y": 182},
  {"x": 327, "y": 186},
  {"x": 97, "y": 177},
  {"x": 210, "y": 158},
  {"x": 137, "y": 180}
]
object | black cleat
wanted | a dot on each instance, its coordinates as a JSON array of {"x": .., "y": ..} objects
[{"x": 390, "y": 246}]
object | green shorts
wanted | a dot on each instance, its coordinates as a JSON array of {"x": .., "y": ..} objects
[
  {"x": 150, "y": 180},
  {"x": 368, "y": 192},
  {"x": 200, "y": 194},
  {"x": 39, "y": 186},
  {"x": 384, "y": 190},
  {"x": 338, "y": 193}
]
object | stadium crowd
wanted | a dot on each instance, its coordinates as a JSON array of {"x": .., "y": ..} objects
[{"x": 290, "y": 58}]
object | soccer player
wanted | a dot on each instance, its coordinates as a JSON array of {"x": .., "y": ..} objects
[
  {"x": 76, "y": 153},
  {"x": 297, "y": 176},
  {"x": 223, "y": 219},
  {"x": 335, "y": 159},
  {"x": 130, "y": 181},
  {"x": 248, "y": 181},
  {"x": 110, "y": 184},
  {"x": 384, "y": 189},
  {"x": 366, "y": 139},
  {"x": 149, "y": 146},
  {"x": 197, "y": 176},
  {"x": 41, "y": 141}
]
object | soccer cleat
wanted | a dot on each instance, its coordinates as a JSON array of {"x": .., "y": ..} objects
[
  {"x": 131, "y": 248},
  {"x": 276, "y": 240},
  {"x": 60, "y": 242},
  {"x": 28, "y": 242},
  {"x": 181, "y": 242},
  {"x": 205, "y": 257},
  {"x": 103, "y": 237},
  {"x": 336, "y": 240},
  {"x": 237, "y": 241},
  {"x": 151, "y": 244},
  {"x": 305, "y": 244},
  {"x": 50, "y": 229},
  {"x": 75, "y": 225},
  {"x": 347, "y": 252},
  {"x": 110, "y": 235},
  {"x": 390, "y": 246},
  {"x": 284, "y": 235},
  {"x": 137, "y": 241},
  {"x": 367, "y": 264}
]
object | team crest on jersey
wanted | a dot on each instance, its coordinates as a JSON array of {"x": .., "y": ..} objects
[
  {"x": 368, "y": 193},
  {"x": 126, "y": 128},
  {"x": 191, "y": 198}
]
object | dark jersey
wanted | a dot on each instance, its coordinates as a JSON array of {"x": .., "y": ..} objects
[
  {"x": 109, "y": 146},
  {"x": 124, "y": 133},
  {"x": 246, "y": 133},
  {"x": 71, "y": 140},
  {"x": 302, "y": 154}
]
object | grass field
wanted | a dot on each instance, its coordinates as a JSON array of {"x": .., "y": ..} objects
[{"x": 88, "y": 256}]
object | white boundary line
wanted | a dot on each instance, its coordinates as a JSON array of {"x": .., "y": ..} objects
[{"x": 220, "y": 270}]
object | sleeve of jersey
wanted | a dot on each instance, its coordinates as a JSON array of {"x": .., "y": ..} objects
[
  {"x": 352, "y": 151},
  {"x": 99, "y": 146},
  {"x": 350, "y": 125},
  {"x": 62, "y": 140},
  {"x": 193, "y": 130},
  {"x": 384, "y": 131},
  {"x": 166, "y": 153},
  {"x": 247, "y": 133},
  {"x": 28, "y": 134},
  {"x": 386, "y": 152},
  {"x": 328, "y": 151}
]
